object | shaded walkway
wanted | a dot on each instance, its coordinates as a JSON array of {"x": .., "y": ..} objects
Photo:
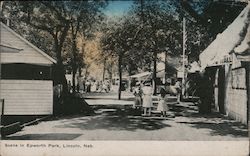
[{"x": 120, "y": 124}]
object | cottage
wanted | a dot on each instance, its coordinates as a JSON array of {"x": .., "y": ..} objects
[
  {"x": 25, "y": 78},
  {"x": 228, "y": 57}
]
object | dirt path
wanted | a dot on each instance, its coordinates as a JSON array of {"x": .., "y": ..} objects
[{"x": 118, "y": 124}]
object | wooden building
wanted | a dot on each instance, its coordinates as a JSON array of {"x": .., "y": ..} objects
[{"x": 26, "y": 83}]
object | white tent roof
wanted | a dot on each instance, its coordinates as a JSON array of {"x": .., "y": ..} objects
[
  {"x": 140, "y": 75},
  {"x": 226, "y": 41},
  {"x": 244, "y": 47},
  {"x": 194, "y": 67}
]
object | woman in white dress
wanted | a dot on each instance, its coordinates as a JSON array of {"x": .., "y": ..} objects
[{"x": 147, "y": 99}]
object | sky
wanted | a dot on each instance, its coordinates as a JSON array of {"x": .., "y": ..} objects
[{"x": 117, "y": 8}]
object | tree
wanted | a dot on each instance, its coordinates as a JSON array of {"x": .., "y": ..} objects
[
  {"x": 84, "y": 14},
  {"x": 57, "y": 18},
  {"x": 160, "y": 30},
  {"x": 137, "y": 38},
  {"x": 205, "y": 20},
  {"x": 111, "y": 43},
  {"x": 50, "y": 17}
]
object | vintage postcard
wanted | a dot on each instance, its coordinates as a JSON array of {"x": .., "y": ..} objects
[{"x": 125, "y": 77}]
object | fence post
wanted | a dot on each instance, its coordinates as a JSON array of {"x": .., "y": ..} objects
[{"x": 1, "y": 116}]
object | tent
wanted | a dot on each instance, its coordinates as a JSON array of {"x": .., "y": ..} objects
[{"x": 225, "y": 42}]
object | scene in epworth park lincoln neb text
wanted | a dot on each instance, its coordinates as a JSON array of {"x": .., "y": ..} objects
[{"x": 173, "y": 70}]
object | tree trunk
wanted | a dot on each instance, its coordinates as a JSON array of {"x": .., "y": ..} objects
[
  {"x": 74, "y": 66},
  {"x": 59, "y": 72},
  {"x": 154, "y": 72},
  {"x": 74, "y": 80},
  {"x": 104, "y": 69},
  {"x": 80, "y": 71},
  {"x": 120, "y": 77}
]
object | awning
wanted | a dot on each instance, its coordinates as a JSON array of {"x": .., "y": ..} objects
[
  {"x": 194, "y": 67},
  {"x": 144, "y": 74},
  {"x": 225, "y": 42}
]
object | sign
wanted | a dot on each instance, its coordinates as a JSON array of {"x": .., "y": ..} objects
[{"x": 225, "y": 60}]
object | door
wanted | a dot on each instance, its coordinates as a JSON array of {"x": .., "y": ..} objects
[{"x": 221, "y": 90}]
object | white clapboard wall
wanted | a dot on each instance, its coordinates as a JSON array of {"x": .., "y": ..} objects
[
  {"x": 27, "y": 97},
  {"x": 28, "y": 52}
]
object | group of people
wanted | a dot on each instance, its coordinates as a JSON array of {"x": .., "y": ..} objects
[
  {"x": 143, "y": 98},
  {"x": 102, "y": 86},
  {"x": 90, "y": 86}
]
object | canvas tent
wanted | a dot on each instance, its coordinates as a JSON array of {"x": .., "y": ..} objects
[
  {"x": 225, "y": 42},
  {"x": 228, "y": 57}
]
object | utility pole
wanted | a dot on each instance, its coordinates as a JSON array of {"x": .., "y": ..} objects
[
  {"x": 165, "y": 70},
  {"x": 183, "y": 56}
]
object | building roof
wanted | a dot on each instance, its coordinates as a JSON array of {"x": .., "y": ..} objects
[
  {"x": 143, "y": 74},
  {"x": 244, "y": 47},
  {"x": 27, "y": 52},
  {"x": 227, "y": 41}
]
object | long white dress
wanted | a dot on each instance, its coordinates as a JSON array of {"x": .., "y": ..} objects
[
  {"x": 162, "y": 104},
  {"x": 147, "y": 98}
]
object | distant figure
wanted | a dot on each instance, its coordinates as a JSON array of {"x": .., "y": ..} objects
[
  {"x": 105, "y": 87},
  {"x": 84, "y": 85},
  {"x": 162, "y": 105},
  {"x": 78, "y": 87},
  {"x": 138, "y": 97},
  {"x": 147, "y": 99},
  {"x": 69, "y": 86},
  {"x": 88, "y": 86},
  {"x": 97, "y": 86},
  {"x": 178, "y": 89},
  {"x": 100, "y": 88},
  {"x": 108, "y": 85}
]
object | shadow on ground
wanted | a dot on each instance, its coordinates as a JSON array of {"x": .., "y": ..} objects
[
  {"x": 116, "y": 119},
  {"x": 223, "y": 128},
  {"x": 215, "y": 122},
  {"x": 47, "y": 136}
]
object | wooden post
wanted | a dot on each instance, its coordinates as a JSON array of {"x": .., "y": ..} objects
[
  {"x": 248, "y": 92},
  {"x": 2, "y": 111}
]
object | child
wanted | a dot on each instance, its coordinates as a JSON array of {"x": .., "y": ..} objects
[
  {"x": 162, "y": 105},
  {"x": 138, "y": 98}
]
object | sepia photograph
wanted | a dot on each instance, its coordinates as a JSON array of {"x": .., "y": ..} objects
[{"x": 99, "y": 75}]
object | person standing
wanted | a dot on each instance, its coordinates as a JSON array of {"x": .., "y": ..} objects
[
  {"x": 69, "y": 87},
  {"x": 100, "y": 88},
  {"x": 162, "y": 105},
  {"x": 138, "y": 97},
  {"x": 178, "y": 88},
  {"x": 88, "y": 85},
  {"x": 97, "y": 86},
  {"x": 84, "y": 84},
  {"x": 147, "y": 99}
]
